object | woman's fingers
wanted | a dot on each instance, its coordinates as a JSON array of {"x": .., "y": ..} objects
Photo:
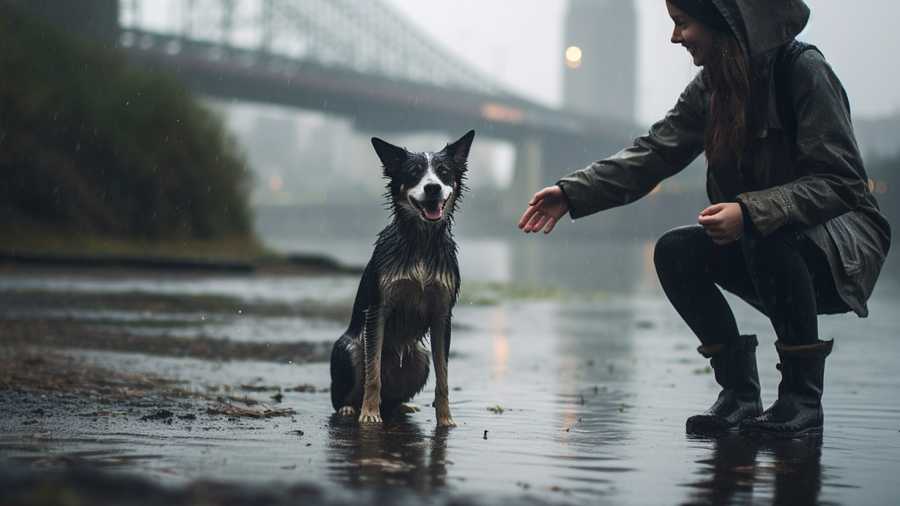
[
  {"x": 550, "y": 224},
  {"x": 713, "y": 209},
  {"x": 532, "y": 208},
  {"x": 530, "y": 226},
  {"x": 539, "y": 224}
]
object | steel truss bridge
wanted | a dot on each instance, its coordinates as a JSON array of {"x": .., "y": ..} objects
[{"x": 359, "y": 59}]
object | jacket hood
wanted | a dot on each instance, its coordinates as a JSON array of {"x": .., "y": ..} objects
[{"x": 763, "y": 25}]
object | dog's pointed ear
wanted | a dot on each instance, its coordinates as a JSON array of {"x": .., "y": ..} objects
[
  {"x": 392, "y": 157},
  {"x": 459, "y": 150}
]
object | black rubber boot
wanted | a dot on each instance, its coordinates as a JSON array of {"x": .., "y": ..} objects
[
  {"x": 798, "y": 410},
  {"x": 734, "y": 365}
]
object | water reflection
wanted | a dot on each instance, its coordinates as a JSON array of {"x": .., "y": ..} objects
[
  {"x": 789, "y": 471},
  {"x": 379, "y": 457}
]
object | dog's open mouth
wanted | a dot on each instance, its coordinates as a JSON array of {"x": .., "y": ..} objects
[{"x": 431, "y": 210}]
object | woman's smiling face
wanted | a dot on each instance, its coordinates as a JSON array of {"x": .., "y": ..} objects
[{"x": 690, "y": 33}]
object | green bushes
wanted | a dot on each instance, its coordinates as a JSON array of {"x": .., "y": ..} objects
[{"x": 91, "y": 145}]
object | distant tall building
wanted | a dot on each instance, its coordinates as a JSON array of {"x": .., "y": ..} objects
[{"x": 600, "y": 61}]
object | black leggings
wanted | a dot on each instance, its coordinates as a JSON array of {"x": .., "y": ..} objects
[{"x": 783, "y": 276}]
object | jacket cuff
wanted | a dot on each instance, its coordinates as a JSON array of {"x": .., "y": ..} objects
[
  {"x": 749, "y": 229},
  {"x": 768, "y": 209},
  {"x": 570, "y": 191}
]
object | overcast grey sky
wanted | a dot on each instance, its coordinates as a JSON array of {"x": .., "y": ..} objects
[{"x": 519, "y": 42}]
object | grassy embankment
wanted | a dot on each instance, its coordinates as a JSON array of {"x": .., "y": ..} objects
[{"x": 99, "y": 158}]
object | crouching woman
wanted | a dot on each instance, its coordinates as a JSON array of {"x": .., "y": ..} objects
[{"x": 792, "y": 227}]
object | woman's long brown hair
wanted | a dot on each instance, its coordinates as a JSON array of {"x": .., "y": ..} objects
[{"x": 728, "y": 78}]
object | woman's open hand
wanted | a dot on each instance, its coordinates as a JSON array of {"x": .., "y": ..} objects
[
  {"x": 544, "y": 210},
  {"x": 724, "y": 223}
]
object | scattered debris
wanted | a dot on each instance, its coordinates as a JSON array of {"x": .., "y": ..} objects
[
  {"x": 260, "y": 388},
  {"x": 303, "y": 389},
  {"x": 485, "y": 434},
  {"x": 497, "y": 410},
  {"x": 161, "y": 415},
  {"x": 278, "y": 397},
  {"x": 260, "y": 411}
]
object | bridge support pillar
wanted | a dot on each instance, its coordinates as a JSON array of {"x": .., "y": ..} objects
[{"x": 528, "y": 176}]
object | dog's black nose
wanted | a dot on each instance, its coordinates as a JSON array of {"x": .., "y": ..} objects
[{"x": 432, "y": 190}]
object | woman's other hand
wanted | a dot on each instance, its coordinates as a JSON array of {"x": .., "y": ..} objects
[
  {"x": 544, "y": 210},
  {"x": 724, "y": 223}
]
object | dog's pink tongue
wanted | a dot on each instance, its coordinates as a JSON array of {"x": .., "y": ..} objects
[{"x": 433, "y": 215}]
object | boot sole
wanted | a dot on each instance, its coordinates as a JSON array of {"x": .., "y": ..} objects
[
  {"x": 761, "y": 433},
  {"x": 708, "y": 426}
]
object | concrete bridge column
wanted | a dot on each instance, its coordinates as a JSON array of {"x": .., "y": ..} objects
[{"x": 528, "y": 176}]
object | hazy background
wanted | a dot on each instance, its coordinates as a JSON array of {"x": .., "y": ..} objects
[{"x": 521, "y": 45}]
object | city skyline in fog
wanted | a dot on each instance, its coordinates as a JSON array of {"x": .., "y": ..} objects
[{"x": 522, "y": 48}]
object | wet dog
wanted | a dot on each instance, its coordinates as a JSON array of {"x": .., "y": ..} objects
[{"x": 407, "y": 291}]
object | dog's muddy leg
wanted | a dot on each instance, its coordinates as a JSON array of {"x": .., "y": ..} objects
[
  {"x": 373, "y": 340},
  {"x": 440, "y": 343}
]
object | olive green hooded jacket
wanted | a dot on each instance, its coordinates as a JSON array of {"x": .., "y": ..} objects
[{"x": 813, "y": 181}]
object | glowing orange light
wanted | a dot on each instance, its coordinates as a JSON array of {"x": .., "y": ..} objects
[{"x": 498, "y": 112}]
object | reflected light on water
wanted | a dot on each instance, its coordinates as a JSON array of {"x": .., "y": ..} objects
[{"x": 499, "y": 343}]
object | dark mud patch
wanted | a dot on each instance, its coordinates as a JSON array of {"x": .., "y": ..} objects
[
  {"x": 27, "y": 374},
  {"x": 75, "y": 335},
  {"x": 29, "y": 369},
  {"x": 149, "y": 303}
]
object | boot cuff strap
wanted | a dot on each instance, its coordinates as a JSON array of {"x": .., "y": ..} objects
[{"x": 821, "y": 348}]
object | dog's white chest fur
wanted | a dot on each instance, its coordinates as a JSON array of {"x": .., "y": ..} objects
[{"x": 417, "y": 275}]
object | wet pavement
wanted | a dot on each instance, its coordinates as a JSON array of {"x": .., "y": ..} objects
[{"x": 571, "y": 392}]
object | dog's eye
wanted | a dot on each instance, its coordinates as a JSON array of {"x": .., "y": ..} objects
[{"x": 443, "y": 172}]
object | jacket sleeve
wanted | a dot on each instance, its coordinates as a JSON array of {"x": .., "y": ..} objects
[
  {"x": 672, "y": 143},
  {"x": 832, "y": 179}
]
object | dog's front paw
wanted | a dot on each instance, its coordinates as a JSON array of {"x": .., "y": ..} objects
[
  {"x": 347, "y": 411},
  {"x": 368, "y": 416},
  {"x": 445, "y": 421}
]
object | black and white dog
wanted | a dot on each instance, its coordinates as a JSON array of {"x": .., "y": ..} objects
[{"x": 407, "y": 291}]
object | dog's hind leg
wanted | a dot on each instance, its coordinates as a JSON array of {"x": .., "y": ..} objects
[
  {"x": 440, "y": 346},
  {"x": 346, "y": 381}
]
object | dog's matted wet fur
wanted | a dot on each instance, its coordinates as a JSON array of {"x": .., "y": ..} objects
[{"x": 407, "y": 291}]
